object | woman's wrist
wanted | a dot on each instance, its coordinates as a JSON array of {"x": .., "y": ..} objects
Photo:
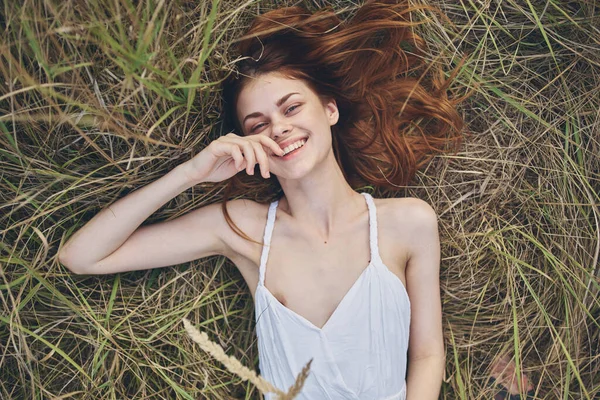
[{"x": 184, "y": 173}]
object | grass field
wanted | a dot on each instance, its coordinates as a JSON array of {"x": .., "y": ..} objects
[{"x": 98, "y": 98}]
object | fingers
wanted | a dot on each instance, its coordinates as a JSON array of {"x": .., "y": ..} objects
[
  {"x": 253, "y": 151},
  {"x": 248, "y": 151},
  {"x": 270, "y": 143},
  {"x": 262, "y": 160},
  {"x": 237, "y": 156}
]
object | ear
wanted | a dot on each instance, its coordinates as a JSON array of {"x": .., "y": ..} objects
[{"x": 333, "y": 114}]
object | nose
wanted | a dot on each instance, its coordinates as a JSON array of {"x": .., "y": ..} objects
[{"x": 280, "y": 127}]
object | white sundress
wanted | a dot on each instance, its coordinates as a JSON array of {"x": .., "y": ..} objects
[{"x": 361, "y": 351}]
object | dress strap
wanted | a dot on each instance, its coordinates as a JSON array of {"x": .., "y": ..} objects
[
  {"x": 267, "y": 241},
  {"x": 374, "y": 243}
]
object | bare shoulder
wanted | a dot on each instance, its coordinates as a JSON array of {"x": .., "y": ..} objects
[
  {"x": 250, "y": 217},
  {"x": 407, "y": 211},
  {"x": 410, "y": 220},
  {"x": 413, "y": 208}
]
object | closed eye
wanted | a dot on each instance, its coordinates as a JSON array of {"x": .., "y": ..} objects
[
  {"x": 292, "y": 108},
  {"x": 254, "y": 128}
]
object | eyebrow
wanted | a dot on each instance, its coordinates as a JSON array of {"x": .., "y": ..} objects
[{"x": 278, "y": 103}]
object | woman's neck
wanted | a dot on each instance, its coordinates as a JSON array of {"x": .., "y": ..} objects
[{"x": 322, "y": 202}]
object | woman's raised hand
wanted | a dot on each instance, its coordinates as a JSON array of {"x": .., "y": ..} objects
[{"x": 229, "y": 154}]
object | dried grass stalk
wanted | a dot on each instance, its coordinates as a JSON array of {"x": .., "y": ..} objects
[{"x": 236, "y": 367}]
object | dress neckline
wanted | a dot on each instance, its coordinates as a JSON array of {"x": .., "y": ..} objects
[
  {"x": 334, "y": 313},
  {"x": 373, "y": 250},
  {"x": 373, "y": 263}
]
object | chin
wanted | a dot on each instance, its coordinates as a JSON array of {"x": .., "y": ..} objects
[{"x": 296, "y": 174}]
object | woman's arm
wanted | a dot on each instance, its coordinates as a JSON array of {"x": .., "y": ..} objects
[
  {"x": 111, "y": 227},
  {"x": 426, "y": 357},
  {"x": 113, "y": 240}
]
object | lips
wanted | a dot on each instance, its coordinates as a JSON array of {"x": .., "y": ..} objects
[
  {"x": 285, "y": 144},
  {"x": 294, "y": 153}
]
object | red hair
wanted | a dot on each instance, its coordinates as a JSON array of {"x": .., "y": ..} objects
[{"x": 395, "y": 114}]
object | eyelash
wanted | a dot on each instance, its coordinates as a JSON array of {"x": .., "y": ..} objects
[{"x": 292, "y": 107}]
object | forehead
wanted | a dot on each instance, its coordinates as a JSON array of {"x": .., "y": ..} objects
[{"x": 265, "y": 89}]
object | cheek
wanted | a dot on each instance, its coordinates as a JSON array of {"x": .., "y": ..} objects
[{"x": 315, "y": 117}]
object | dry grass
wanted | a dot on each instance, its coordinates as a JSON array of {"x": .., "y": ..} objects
[{"x": 100, "y": 98}]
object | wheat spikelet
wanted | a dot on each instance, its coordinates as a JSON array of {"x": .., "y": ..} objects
[
  {"x": 232, "y": 364},
  {"x": 235, "y": 366},
  {"x": 294, "y": 390}
]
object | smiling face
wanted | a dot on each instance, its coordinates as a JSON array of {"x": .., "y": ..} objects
[{"x": 287, "y": 110}]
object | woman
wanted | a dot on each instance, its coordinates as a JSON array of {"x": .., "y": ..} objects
[{"x": 324, "y": 107}]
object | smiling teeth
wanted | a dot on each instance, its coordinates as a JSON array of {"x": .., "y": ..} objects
[{"x": 293, "y": 146}]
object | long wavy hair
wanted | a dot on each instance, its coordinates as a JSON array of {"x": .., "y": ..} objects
[{"x": 395, "y": 114}]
